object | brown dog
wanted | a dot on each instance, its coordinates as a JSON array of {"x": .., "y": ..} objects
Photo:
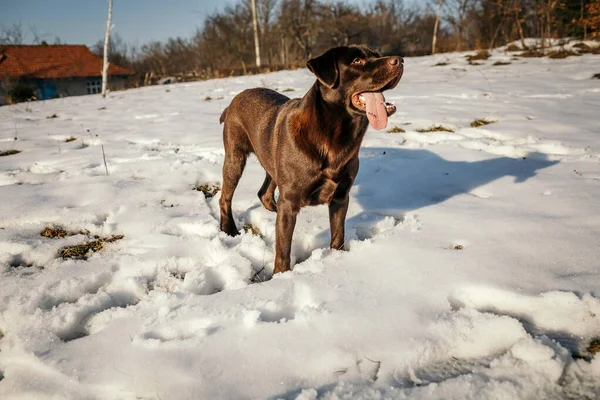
[{"x": 309, "y": 146}]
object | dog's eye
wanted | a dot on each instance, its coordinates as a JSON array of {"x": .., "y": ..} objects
[{"x": 357, "y": 61}]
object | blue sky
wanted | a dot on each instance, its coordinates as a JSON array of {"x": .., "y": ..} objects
[
  {"x": 136, "y": 21},
  {"x": 83, "y": 21}
]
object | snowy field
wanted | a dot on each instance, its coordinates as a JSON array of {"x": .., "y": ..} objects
[{"x": 473, "y": 268}]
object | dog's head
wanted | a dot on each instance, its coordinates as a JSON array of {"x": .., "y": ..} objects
[{"x": 356, "y": 78}]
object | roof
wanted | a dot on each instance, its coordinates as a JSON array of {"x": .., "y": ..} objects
[{"x": 52, "y": 62}]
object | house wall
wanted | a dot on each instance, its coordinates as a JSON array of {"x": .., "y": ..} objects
[
  {"x": 51, "y": 88},
  {"x": 90, "y": 85}
]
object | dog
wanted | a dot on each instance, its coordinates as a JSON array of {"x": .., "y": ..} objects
[{"x": 309, "y": 146}]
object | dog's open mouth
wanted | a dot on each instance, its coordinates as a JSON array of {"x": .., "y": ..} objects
[
  {"x": 373, "y": 103},
  {"x": 378, "y": 110}
]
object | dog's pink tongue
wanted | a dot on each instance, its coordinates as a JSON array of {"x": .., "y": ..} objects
[{"x": 376, "y": 111}]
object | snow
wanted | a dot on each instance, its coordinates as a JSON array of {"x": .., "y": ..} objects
[{"x": 472, "y": 269}]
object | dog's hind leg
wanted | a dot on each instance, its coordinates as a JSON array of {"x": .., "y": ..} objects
[
  {"x": 235, "y": 161},
  {"x": 266, "y": 194},
  {"x": 237, "y": 147}
]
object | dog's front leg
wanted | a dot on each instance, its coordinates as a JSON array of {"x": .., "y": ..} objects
[
  {"x": 286, "y": 221},
  {"x": 337, "y": 220}
]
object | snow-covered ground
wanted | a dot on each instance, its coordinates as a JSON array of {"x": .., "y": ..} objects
[{"x": 473, "y": 268}]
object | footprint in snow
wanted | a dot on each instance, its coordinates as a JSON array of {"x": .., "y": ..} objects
[
  {"x": 571, "y": 320},
  {"x": 176, "y": 332}
]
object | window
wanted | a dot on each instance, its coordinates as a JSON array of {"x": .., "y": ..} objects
[{"x": 94, "y": 86}]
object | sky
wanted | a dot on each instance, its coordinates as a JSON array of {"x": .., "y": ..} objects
[{"x": 84, "y": 21}]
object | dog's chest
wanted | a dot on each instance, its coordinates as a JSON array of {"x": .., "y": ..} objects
[{"x": 326, "y": 185}]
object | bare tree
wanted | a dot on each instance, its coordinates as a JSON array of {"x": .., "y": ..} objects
[
  {"x": 106, "y": 39},
  {"x": 436, "y": 25},
  {"x": 255, "y": 26},
  {"x": 12, "y": 34}
]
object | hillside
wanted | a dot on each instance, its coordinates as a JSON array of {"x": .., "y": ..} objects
[{"x": 472, "y": 270}]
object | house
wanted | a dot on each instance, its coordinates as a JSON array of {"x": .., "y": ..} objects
[{"x": 48, "y": 71}]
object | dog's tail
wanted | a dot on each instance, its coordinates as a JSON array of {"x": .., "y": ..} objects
[{"x": 223, "y": 115}]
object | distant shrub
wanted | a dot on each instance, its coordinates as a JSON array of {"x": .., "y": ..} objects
[{"x": 20, "y": 94}]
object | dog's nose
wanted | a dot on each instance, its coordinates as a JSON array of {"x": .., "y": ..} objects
[{"x": 396, "y": 61}]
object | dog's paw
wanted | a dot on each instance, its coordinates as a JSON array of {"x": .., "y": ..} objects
[{"x": 269, "y": 203}]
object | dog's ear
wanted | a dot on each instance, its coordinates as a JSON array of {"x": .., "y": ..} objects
[{"x": 325, "y": 67}]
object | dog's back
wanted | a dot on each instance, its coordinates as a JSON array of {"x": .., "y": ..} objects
[{"x": 250, "y": 122}]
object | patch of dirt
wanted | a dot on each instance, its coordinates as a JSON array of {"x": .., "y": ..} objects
[
  {"x": 458, "y": 247},
  {"x": 9, "y": 152},
  {"x": 52, "y": 116},
  {"x": 396, "y": 129},
  {"x": 480, "y": 122},
  {"x": 596, "y": 76},
  {"x": 83, "y": 250},
  {"x": 287, "y": 90},
  {"x": 435, "y": 128},
  {"x": 209, "y": 189},
  {"x": 500, "y": 63},
  {"x": 442, "y": 64},
  {"x": 513, "y": 47},
  {"x": 70, "y": 139}
]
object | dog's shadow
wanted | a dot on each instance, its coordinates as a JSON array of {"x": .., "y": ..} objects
[{"x": 394, "y": 181}]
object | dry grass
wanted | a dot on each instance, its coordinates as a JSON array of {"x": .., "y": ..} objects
[
  {"x": 500, "y": 63},
  {"x": 532, "y": 54},
  {"x": 70, "y": 139},
  {"x": 253, "y": 229},
  {"x": 83, "y": 250},
  {"x": 287, "y": 90},
  {"x": 458, "y": 247},
  {"x": 54, "y": 232},
  {"x": 435, "y": 128},
  {"x": 513, "y": 47},
  {"x": 481, "y": 122},
  {"x": 208, "y": 189},
  {"x": 594, "y": 346},
  {"x": 480, "y": 55},
  {"x": 583, "y": 48},
  {"x": 52, "y": 116},
  {"x": 396, "y": 129},
  {"x": 558, "y": 54},
  {"x": 442, "y": 64},
  {"x": 596, "y": 76},
  {"x": 9, "y": 152}
]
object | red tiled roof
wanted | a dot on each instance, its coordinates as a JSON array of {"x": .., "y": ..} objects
[{"x": 52, "y": 62}]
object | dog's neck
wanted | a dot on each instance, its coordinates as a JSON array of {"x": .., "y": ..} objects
[
  {"x": 321, "y": 104},
  {"x": 327, "y": 127}
]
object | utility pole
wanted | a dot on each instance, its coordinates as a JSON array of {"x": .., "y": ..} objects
[
  {"x": 106, "y": 40},
  {"x": 435, "y": 26},
  {"x": 256, "y": 42}
]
